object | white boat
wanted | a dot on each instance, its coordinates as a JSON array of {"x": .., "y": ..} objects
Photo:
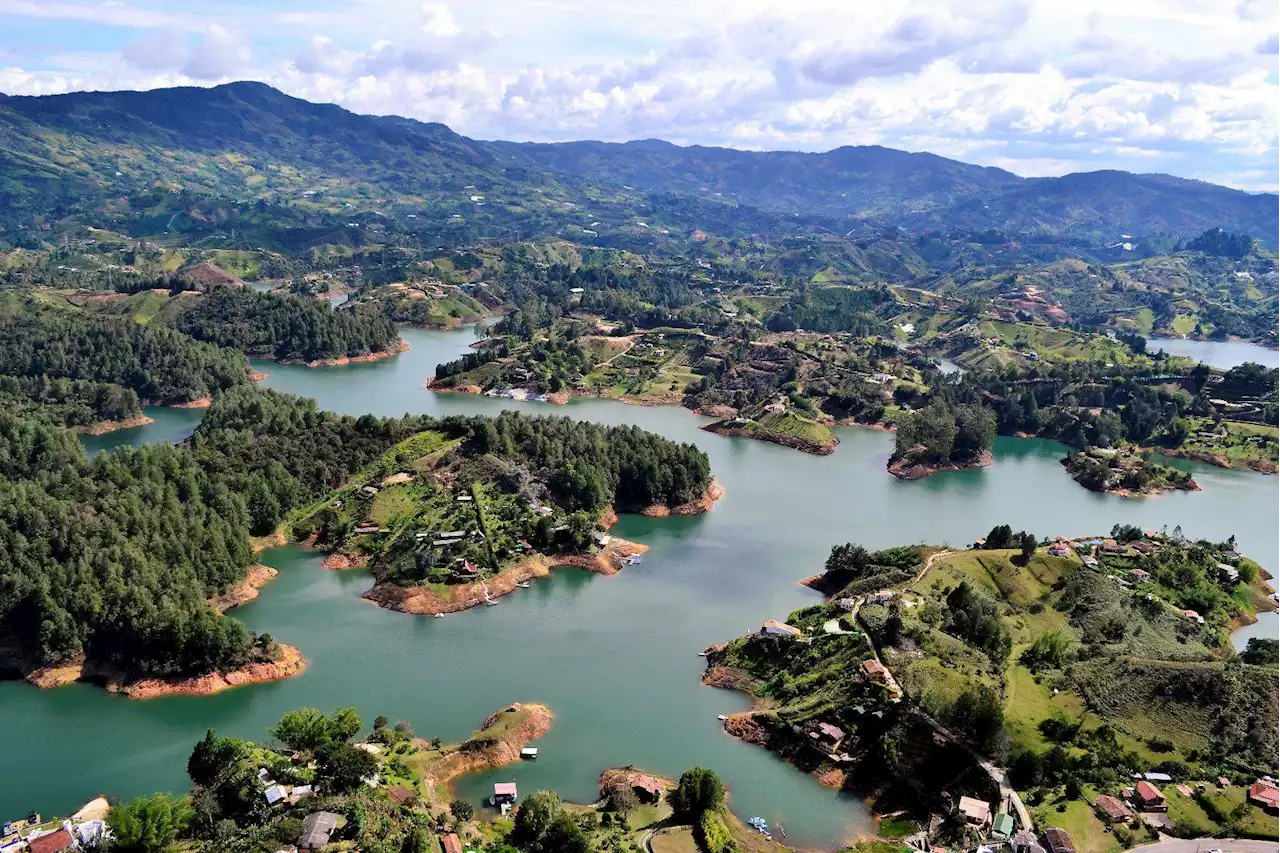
[
  {"x": 723, "y": 717},
  {"x": 439, "y": 615},
  {"x": 491, "y": 602},
  {"x": 523, "y": 584}
]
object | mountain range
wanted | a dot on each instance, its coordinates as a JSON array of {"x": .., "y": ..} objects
[{"x": 94, "y": 153}]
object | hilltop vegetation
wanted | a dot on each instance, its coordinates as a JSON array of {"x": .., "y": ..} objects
[
  {"x": 110, "y": 562},
  {"x": 1079, "y": 664}
]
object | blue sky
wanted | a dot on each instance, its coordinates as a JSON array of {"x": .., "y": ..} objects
[{"x": 1039, "y": 87}]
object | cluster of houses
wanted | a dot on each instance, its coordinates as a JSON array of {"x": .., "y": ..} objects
[{"x": 85, "y": 830}]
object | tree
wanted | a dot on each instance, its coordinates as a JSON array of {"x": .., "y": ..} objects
[
  {"x": 698, "y": 790},
  {"x": 1263, "y": 651},
  {"x": 1000, "y": 537},
  {"x": 212, "y": 757},
  {"x": 1027, "y": 543},
  {"x": 461, "y": 810},
  {"x": 305, "y": 729},
  {"x": 343, "y": 767},
  {"x": 534, "y": 819},
  {"x": 148, "y": 824},
  {"x": 623, "y": 800}
]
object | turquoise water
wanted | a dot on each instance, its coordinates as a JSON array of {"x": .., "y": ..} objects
[
  {"x": 615, "y": 658},
  {"x": 1224, "y": 354}
]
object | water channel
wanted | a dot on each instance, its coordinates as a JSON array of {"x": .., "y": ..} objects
[{"x": 614, "y": 657}]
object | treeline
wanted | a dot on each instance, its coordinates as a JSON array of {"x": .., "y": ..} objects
[
  {"x": 833, "y": 309},
  {"x": 591, "y": 467},
  {"x": 70, "y": 402},
  {"x": 942, "y": 433},
  {"x": 286, "y": 328},
  {"x": 111, "y": 560},
  {"x": 158, "y": 365},
  {"x": 1215, "y": 241}
]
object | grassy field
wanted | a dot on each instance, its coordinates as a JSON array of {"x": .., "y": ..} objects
[
  {"x": 675, "y": 840},
  {"x": 1078, "y": 819}
]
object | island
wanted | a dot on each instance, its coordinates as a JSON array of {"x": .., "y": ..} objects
[
  {"x": 1038, "y": 675},
  {"x": 942, "y": 437},
  {"x": 1121, "y": 471},
  {"x": 458, "y": 516}
]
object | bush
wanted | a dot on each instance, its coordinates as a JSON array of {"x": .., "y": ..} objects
[
  {"x": 699, "y": 791},
  {"x": 713, "y": 835}
]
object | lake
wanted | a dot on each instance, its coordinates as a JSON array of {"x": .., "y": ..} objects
[
  {"x": 1222, "y": 354},
  {"x": 615, "y": 658}
]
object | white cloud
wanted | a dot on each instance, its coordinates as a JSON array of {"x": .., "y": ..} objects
[{"x": 1035, "y": 86}]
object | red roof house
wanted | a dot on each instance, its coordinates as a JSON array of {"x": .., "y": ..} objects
[
  {"x": 51, "y": 843},
  {"x": 1147, "y": 797},
  {"x": 1265, "y": 795}
]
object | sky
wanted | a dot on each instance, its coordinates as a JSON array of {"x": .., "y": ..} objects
[{"x": 1038, "y": 87}]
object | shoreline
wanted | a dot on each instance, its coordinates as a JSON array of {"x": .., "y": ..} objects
[
  {"x": 103, "y": 427},
  {"x": 254, "y": 579},
  {"x": 459, "y": 760},
  {"x": 783, "y": 439},
  {"x": 420, "y": 600},
  {"x": 344, "y": 360},
  {"x": 288, "y": 663},
  {"x": 1260, "y": 466},
  {"x": 905, "y": 470}
]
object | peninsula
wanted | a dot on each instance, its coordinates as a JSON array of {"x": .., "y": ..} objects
[{"x": 930, "y": 677}]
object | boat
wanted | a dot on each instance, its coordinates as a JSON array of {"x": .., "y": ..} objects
[
  {"x": 723, "y": 717},
  {"x": 439, "y": 615},
  {"x": 523, "y": 584},
  {"x": 491, "y": 602},
  {"x": 702, "y": 654}
]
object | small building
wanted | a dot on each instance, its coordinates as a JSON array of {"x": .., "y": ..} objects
[
  {"x": 1162, "y": 778},
  {"x": 1024, "y": 841},
  {"x": 1224, "y": 782},
  {"x": 847, "y": 604},
  {"x": 529, "y": 753},
  {"x": 365, "y": 528},
  {"x": 369, "y": 490},
  {"x": 975, "y": 812},
  {"x": 1089, "y": 560},
  {"x": 1265, "y": 796},
  {"x": 1147, "y": 798},
  {"x": 776, "y": 630},
  {"x": 1113, "y": 810},
  {"x": 52, "y": 842},
  {"x": 601, "y": 538},
  {"x": 464, "y": 499},
  {"x": 1193, "y": 616},
  {"x": 875, "y": 671},
  {"x": 467, "y": 569},
  {"x": 646, "y": 788},
  {"x": 451, "y": 843},
  {"x": 1111, "y": 546},
  {"x": 1229, "y": 573},
  {"x": 400, "y": 795},
  {"x": 275, "y": 794},
  {"x": 504, "y": 793},
  {"x": 317, "y": 828},
  {"x": 1002, "y": 826},
  {"x": 883, "y": 596},
  {"x": 833, "y": 735},
  {"x": 1144, "y": 547},
  {"x": 1140, "y": 575},
  {"x": 1056, "y": 840}
]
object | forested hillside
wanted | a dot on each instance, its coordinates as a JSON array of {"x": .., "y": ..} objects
[
  {"x": 286, "y": 328},
  {"x": 246, "y": 142},
  {"x": 110, "y": 560},
  {"x": 122, "y": 361}
]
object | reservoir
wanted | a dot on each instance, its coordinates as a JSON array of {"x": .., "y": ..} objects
[
  {"x": 1223, "y": 354},
  {"x": 615, "y": 658}
]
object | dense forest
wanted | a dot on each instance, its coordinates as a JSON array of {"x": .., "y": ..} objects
[
  {"x": 112, "y": 559},
  {"x": 157, "y": 365},
  {"x": 592, "y": 467},
  {"x": 287, "y": 328}
]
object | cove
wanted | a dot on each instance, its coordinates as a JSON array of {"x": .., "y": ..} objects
[
  {"x": 615, "y": 658},
  {"x": 1223, "y": 354}
]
